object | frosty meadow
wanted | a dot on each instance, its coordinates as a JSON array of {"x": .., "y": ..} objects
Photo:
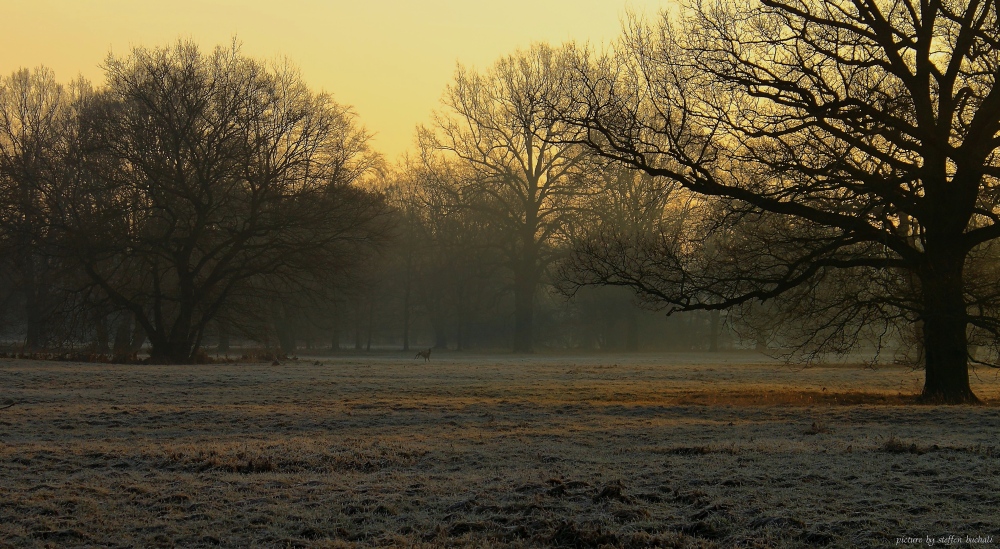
[{"x": 669, "y": 450}]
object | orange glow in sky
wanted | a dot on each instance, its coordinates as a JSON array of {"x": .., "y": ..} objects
[{"x": 390, "y": 59}]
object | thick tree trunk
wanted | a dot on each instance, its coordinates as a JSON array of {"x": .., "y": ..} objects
[
  {"x": 175, "y": 346},
  {"x": 284, "y": 329},
  {"x": 123, "y": 336},
  {"x": 223, "y": 337},
  {"x": 286, "y": 338},
  {"x": 170, "y": 351},
  {"x": 944, "y": 329},
  {"x": 101, "y": 333},
  {"x": 138, "y": 336},
  {"x": 34, "y": 314}
]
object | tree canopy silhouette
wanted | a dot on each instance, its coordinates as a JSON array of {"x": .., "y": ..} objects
[
  {"x": 522, "y": 169},
  {"x": 842, "y": 139},
  {"x": 205, "y": 177}
]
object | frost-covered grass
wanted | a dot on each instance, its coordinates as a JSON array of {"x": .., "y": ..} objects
[{"x": 644, "y": 450}]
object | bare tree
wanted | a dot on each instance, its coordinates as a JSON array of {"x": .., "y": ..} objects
[
  {"x": 209, "y": 182},
  {"x": 523, "y": 176},
  {"x": 35, "y": 120},
  {"x": 626, "y": 205},
  {"x": 844, "y": 136},
  {"x": 449, "y": 264}
]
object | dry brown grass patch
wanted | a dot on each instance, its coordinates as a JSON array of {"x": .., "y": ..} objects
[{"x": 785, "y": 397}]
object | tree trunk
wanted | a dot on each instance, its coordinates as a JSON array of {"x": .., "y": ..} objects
[
  {"x": 174, "y": 346},
  {"x": 524, "y": 309},
  {"x": 760, "y": 341},
  {"x": 357, "y": 326},
  {"x": 406, "y": 319},
  {"x": 284, "y": 329},
  {"x": 440, "y": 335},
  {"x": 286, "y": 337},
  {"x": 631, "y": 330},
  {"x": 335, "y": 327},
  {"x": 170, "y": 351},
  {"x": 944, "y": 318},
  {"x": 371, "y": 324},
  {"x": 460, "y": 316},
  {"x": 713, "y": 336},
  {"x": 34, "y": 303},
  {"x": 138, "y": 336},
  {"x": 101, "y": 333},
  {"x": 223, "y": 337},
  {"x": 406, "y": 301},
  {"x": 439, "y": 322},
  {"x": 123, "y": 336}
]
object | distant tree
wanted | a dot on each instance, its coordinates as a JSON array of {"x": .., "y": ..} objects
[
  {"x": 522, "y": 176},
  {"x": 842, "y": 140},
  {"x": 627, "y": 206},
  {"x": 412, "y": 248},
  {"x": 449, "y": 263},
  {"x": 208, "y": 183},
  {"x": 35, "y": 120}
]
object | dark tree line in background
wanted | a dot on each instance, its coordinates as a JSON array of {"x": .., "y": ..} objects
[
  {"x": 200, "y": 198},
  {"x": 818, "y": 177},
  {"x": 192, "y": 189}
]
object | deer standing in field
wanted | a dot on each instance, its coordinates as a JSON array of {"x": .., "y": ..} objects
[{"x": 426, "y": 354}]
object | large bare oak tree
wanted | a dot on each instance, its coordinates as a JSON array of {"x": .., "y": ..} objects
[
  {"x": 208, "y": 179},
  {"x": 857, "y": 137}
]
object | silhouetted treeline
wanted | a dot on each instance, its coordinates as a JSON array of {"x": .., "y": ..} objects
[
  {"x": 191, "y": 191},
  {"x": 196, "y": 201}
]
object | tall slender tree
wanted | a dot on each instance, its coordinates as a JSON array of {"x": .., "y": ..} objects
[{"x": 524, "y": 173}]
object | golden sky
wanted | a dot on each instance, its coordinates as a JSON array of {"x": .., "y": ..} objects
[{"x": 390, "y": 59}]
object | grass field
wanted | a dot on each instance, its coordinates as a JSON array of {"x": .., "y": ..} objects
[{"x": 682, "y": 450}]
